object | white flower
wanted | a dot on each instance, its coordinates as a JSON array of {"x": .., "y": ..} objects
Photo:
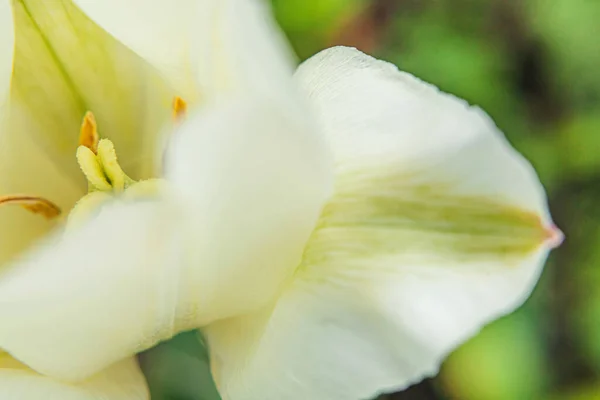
[{"x": 329, "y": 250}]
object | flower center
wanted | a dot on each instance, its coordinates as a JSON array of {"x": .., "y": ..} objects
[{"x": 97, "y": 159}]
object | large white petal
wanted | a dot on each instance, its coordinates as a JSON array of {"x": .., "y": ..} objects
[
  {"x": 377, "y": 117},
  {"x": 355, "y": 333},
  {"x": 64, "y": 66},
  {"x": 95, "y": 295},
  {"x": 436, "y": 227},
  {"x": 206, "y": 48},
  {"x": 159, "y": 31},
  {"x": 254, "y": 176},
  {"x": 247, "y": 49},
  {"x": 122, "y": 381}
]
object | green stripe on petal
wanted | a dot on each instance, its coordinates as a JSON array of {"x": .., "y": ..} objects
[{"x": 388, "y": 215}]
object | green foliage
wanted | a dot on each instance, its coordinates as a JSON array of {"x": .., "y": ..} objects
[
  {"x": 506, "y": 361},
  {"x": 309, "y": 24},
  {"x": 179, "y": 370},
  {"x": 580, "y": 142},
  {"x": 569, "y": 29}
]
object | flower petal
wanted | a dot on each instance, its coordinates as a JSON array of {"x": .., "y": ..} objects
[
  {"x": 7, "y": 43},
  {"x": 379, "y": 118},
  {"x": 122, "y": 381},
  {"x": 25, "y": 166},
  {"x": 358, "y": 333},
  {"x": 96, "y": 295},
  {"x": 64, "y": 66},
  {"x": 253, "y": 177},
  {"x": 26, "y": 169},
  {"x": 158, "y": 31},
  {"x": 436, "y": 227},
  {"x": 206, "y": 47}
]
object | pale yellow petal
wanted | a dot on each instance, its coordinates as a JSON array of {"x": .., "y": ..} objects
[
  {"x": 25, "y": 166},
  {"x": 7, "y": 41},
  {"x": 26, "y": 169},
  {"x": 159, "y": 31},
  {"x": 122, "y": 381},
  {"x": 64, "y": 66},
  {"x": 206, "y": 48}
]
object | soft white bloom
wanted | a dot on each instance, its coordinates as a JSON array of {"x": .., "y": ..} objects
[{"x": 330, "y": 246}]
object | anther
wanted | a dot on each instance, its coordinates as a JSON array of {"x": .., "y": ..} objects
[
  {"x": 36, "y": 205},
  {"x": 88, "y": 135},
  {"x": 179, "y": 108}
]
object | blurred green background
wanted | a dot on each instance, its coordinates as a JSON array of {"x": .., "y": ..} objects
[{"x": 534, "y": 65}]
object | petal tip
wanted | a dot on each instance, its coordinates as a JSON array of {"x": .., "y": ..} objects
[{"x": 554, "y": 236}]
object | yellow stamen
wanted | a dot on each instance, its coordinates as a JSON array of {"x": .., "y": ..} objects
[
  {"x": 179, "y": 108},
  {"x": 36, "y": 205},
  {"x": 88, "y": 135},
  {"x": 108, "y": 159},
  {"x": 92, "y": 169}
]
